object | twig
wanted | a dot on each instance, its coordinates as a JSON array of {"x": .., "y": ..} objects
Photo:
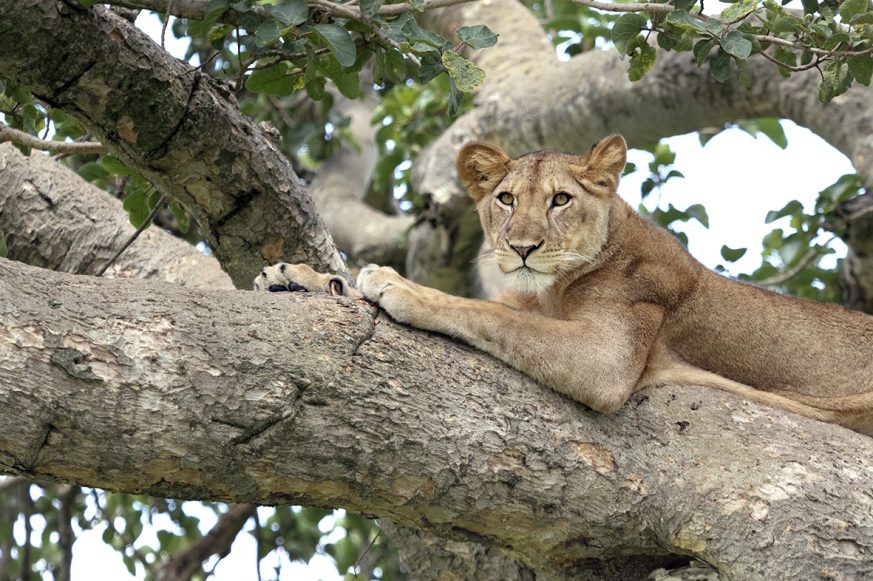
[
  {"x": 795, "y": 69},
  {"x": 783, "y": 277},
  {"x": 168, "y": 12},
  {"x": 28, "y": 140},
  {"x": 812, "y": 49},
  {"x": 139, "y": 231},
  {"x": 364, "y": 553},
  {"x": 614, "y": 7}
]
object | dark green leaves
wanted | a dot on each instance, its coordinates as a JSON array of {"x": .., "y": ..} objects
[
  {"x": 736, "y": 44},
  {"x": 720, "y": 66},
  {"x": 290, "y": 12},
  {"x": 339, "y": 41},
  {"x": 732, "y": 254},
  {"x": 274, "y": 79},
  {"x": 626, "y": 28}
]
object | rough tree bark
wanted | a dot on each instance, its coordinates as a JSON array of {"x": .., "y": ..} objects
[
  {"x": 181, "y": 129},
  {"x": 561, "y": 488},
  {"x": 140, "y": 386},
  {"x": 54, "y": 219}
]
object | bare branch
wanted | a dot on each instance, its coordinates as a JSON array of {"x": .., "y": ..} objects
[
  {"x": 28, "y": 140},
  {"x": 182, "y": 565}
]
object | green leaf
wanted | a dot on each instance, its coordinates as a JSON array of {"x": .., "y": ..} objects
[
  {"x": 744, "y": 75},
  {"x": 479, "y": 36},
  {"x": 851, "y": 8},
  {"x": 792, "y": 208},
  {"x": 701, "y": 50},
  {"x": 348, "y": 82},
  {"x": 274, "y": 80},
  {"x": 772, "y": 128},
  {"x": 720, "y": 66},
  {"x": 454, "y": 97},
  {"x": 643, "y": 58},
  {"x": 136, "y": 207},
  {"x": 417, "y": 4},
  {"x": 683, "y": 4},
  {"x": 92, "y": 171},
  {"x": 732, "y": 254},
  {"x": 315, "y": 89},
  {"x": 835, "y": 80},
  {"x": 684, "y": 19},
  {"x": 339, "y": 41},
  {"x": 369, "y": 8},
  {"x": 465, "y": 75},
  {"x": 291, "y": 12},
  {"x": 698, "y": 212},
  {"x": 625, "y": 29},
  {"x": 861, "y": 68},
  {"x": 810, "y": 6},
  {"x": 786, "y": 23},
  {"x": 736, "y": 44},
  {"x": 738, "y": 11},
  {"x": 115, "y": 166},
  {"x": 88, "y": 3},
  {"x": 431, "y": 66},
  {"x": 268, "y": 33}
]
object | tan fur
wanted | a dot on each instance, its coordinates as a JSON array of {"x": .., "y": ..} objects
[{"x": 601, "y": 303}]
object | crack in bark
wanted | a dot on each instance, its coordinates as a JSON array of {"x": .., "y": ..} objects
[
  {"x": 242, "y": 202},
  {"x": 161, "y": 148},
  {"x": 67, "y": 84},
  {"x": 371, "y": 331}
]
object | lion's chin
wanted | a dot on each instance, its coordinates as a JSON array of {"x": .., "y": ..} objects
[{"x": 526, "y": 281}]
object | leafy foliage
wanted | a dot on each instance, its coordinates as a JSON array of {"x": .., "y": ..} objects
[{"x": 836, "y": 38}]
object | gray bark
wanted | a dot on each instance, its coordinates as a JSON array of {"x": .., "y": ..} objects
[
  {"x": 182, "y": 130},
  {"x": 146, "y": 387},
  {"x": 54, "y": 219}
]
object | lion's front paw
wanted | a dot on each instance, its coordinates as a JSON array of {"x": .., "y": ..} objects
[
  {"x": 374, "y": 280},
  {"x": 284, "y": 277}
]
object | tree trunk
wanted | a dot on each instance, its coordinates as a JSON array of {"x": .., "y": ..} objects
[
  {"x": 181, "y": 129},
  {"x": 146, "y": 387}
]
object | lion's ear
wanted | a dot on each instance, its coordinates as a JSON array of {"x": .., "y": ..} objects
[
  {"x": 481, "y": 167},
  {"x": 609, "y": 156}
]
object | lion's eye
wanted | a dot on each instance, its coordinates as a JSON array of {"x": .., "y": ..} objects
[
  {"x": 561, "y": 199},
  {"x": 505, "y": 198}
]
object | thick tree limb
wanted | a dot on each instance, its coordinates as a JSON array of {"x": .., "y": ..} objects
[
  {"x": 367, "y": 234},
  {"x": 249, "y": 397},
  {"x": 53, "y": 218},
  {"x": 178, "y": 127}
]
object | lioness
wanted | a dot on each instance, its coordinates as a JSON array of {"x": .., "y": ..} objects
[{"x": 602, "y": 303}]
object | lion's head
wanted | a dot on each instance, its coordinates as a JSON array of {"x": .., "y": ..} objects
[{"x": 545, "y": 213}]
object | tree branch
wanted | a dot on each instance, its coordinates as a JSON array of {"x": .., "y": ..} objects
[
  {"x": 184, "y": 564},
  {"x": 330, "y": 407},
  {"x": 53, "y": 218},
  {"x": 28, "y": 140},
  {"x": 183, "y": 132}
]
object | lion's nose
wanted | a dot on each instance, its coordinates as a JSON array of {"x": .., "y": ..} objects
[{"x": 525, "y": 251}]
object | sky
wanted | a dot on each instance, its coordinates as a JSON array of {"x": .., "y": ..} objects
[{"x": 736, "y": 202}]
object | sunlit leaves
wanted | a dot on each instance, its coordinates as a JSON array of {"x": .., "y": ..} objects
[{"x": 466, "y": 75}]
